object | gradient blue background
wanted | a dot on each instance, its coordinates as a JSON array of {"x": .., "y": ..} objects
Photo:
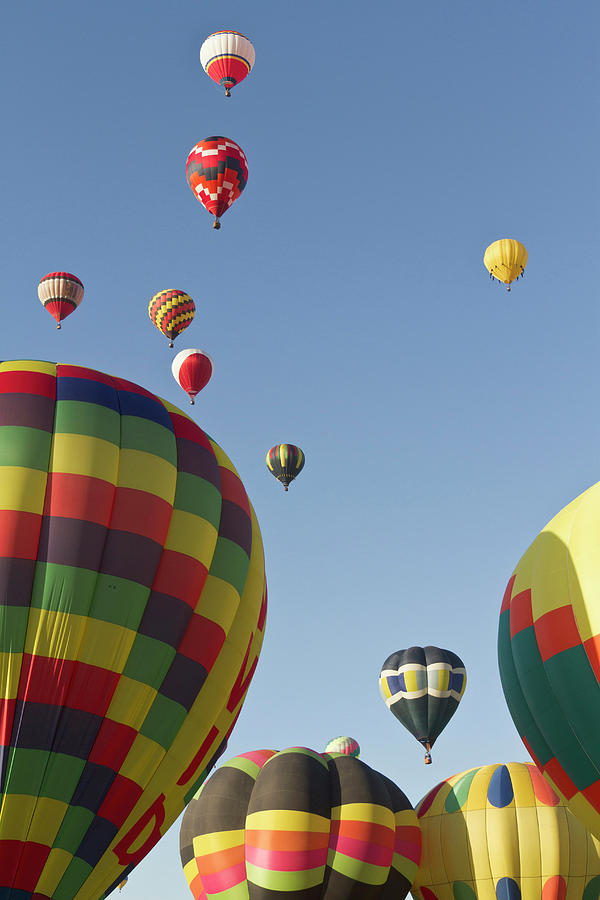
[{"x": 345, "y": 305}]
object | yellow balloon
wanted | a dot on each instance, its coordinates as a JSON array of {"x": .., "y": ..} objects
[
  {"x": 505, "y": 260},
  {"x": 500, "y": 832}
]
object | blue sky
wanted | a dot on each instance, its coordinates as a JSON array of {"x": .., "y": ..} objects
[{"x": 345, "y": 305}]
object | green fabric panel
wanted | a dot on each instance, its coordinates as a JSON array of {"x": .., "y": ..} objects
[
  {"x": 548, "y": 714},
  {"x": 14, "y": 628},
  {"x": 119, "y": 600},
  {"x": 513, "y": 694},
  {"x": 75, "y": 874},
  {"x": 143, "y": 661},
  {"x": 463, "y": 891},
  {"x": 74, "y": 825},
  {"x": 92, "y": 419},
  {"x": 164, "y": 719},
  {"x": 230, "y": 563},
  {"x": 413, "y": 715},
  {"x": 574, "y": 684},
  {"x": 457, "y": 797},
  {"x": 592, "y": 889},
  {"x": 143, "y": 434},
  {"x": 27, "y": 447},
  {"x": 194, "y": 493},
  {"x": 60, "y": 774},
  {"x": 62, "y": 588}
]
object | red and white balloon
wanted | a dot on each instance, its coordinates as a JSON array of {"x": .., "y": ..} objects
[{"x": 192, "y": 370}]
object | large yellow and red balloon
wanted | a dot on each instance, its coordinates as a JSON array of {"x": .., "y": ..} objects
[
  {"x": 132, "y": 613},
  {"x": 171, "y": 311},
  {"x": 549, "y": 653},
  {"x": 500, "y": 832},
  {"x": 299, "y": 823}
]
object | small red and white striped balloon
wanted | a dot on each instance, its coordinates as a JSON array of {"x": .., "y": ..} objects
[
  {"x": 227, "y": 57},
  {"x": 60, "y": 293},
  {"x": 192, "y": 370}
]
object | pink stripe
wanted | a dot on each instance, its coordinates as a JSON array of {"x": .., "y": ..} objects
[
  {"x": 222, "y": 881},
  {"x": 286, "y": 860},
  {"x": 259, "y": 756},
  {"x": 408, "y": 849},
  {"x": 374, "y": 854}
]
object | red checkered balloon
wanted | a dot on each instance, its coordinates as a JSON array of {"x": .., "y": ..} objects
[{"x": 217, "y": 172}]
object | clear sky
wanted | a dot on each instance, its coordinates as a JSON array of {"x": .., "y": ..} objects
[{"x": 346, "y": 307}]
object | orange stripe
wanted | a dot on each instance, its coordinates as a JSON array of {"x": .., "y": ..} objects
[{"x": 210, "y": 863}]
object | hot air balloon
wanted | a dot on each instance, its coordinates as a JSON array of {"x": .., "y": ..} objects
[
  {"x": 132, "y": 612},
  {"x": 192, "y": 370},
  {"x": 346, "y": 745},
  {"x": 549, "y": 654},
  {"x": 505, "y": 260},
  {"x": 122, "y": 884},
  {"x": 227, "y": 57},
  {"x": 500, "y": 832},
  {"x": 217, "y": 173},
  {"x": 285, "y": 462},
  {"x": 423, "y": 686},
  {"x": 302, "y": 824},
  {"x": 60, "y": 293},
  {"x": 171, "y": 312}
]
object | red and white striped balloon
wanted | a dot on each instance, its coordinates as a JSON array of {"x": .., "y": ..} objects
[
  {"x": 60, "y": 293},
  {"x": 192, "y": 370}
]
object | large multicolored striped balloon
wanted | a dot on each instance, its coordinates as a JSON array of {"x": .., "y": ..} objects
[
  {"x": 299, "y": 823},
  {"x": 423, "y": 686},
  {"x": 227, "y": 57},
  {"x": 171, "y": 312},
  {"x": 549, "y": 653},
  {"x": 500, "y": 832},
  {"x": 132, "y": 612},
  {"x": 217, "y": 173},
  {"x": 285, "y": 462},
  {"x": 60, "y": 293}
]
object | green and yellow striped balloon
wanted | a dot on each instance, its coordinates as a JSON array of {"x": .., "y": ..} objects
[{"x": 302, "y": 823}]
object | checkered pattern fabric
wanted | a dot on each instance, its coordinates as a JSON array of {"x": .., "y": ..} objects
[
  {"x": 132, "y": 611},
  {"x": 171, "y": 311},
  {"x": 217, "y": 173},
  {"x": 549, "y": 653}
]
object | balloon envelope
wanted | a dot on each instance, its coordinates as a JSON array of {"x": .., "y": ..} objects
[
  {"x": 171, "y": 312},
  {"x": 217, "y": 173},
  {"x": 500, "y": 832},
  {"x": 423, "y": 686},
  {"x": 192, "y": 370},
  {"x": 285, "y": 462},
  {"x": 60, "y": 293},
  {"x": 302, "y": 823},
  {"x": 549, "y": 653},
  {"x": 346, "y": 745},
  {"x": 132, "y": 611},
  {"x": 505, "y": 260},
  {"x": 227, "y": 57}
]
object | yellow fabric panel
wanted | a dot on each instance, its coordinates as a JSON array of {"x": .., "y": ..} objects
[
  {"x": 578, "y": 839},
  {"x": 583, "y": 564},
  {"x": 410, "y": 679},
  {"x": 287, "y": 820},
  {"x": 364, "y": 812},
  {"x": 455, "y": 848},
  {"x": 478, "y": 839},
  {"x": 219, "y": 602},
  {"x": 80, "y": 454},
  {"x": 385, "y": 690},
  {"x": 593, "y": 853},
  {"x": 130, "y": 702},
  {"x": 503, "y": 842},
  {"x": 205, "y": 844},
  {"x": 22, "y": 489},
  {"x": 432, "y": 866},
  {"x": 529, "y": 854},
  {"x": 54, "y": 869},
  {"x": 477, "y": 798},
  {"x": 284, "y": 882},
  {"x": 522, "y": 786},
  {"x": 531, "y": 888},
  {"x": 146, "y": 472},
  {"x": 191, "y": 535},
  {"x": 142, "y": 760},
  {"x": 61, "y": 635},
  {"x": 29, "y": 365},
  {"x": 583, "y": 810},
  {"x": 10, "y": 671}
]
